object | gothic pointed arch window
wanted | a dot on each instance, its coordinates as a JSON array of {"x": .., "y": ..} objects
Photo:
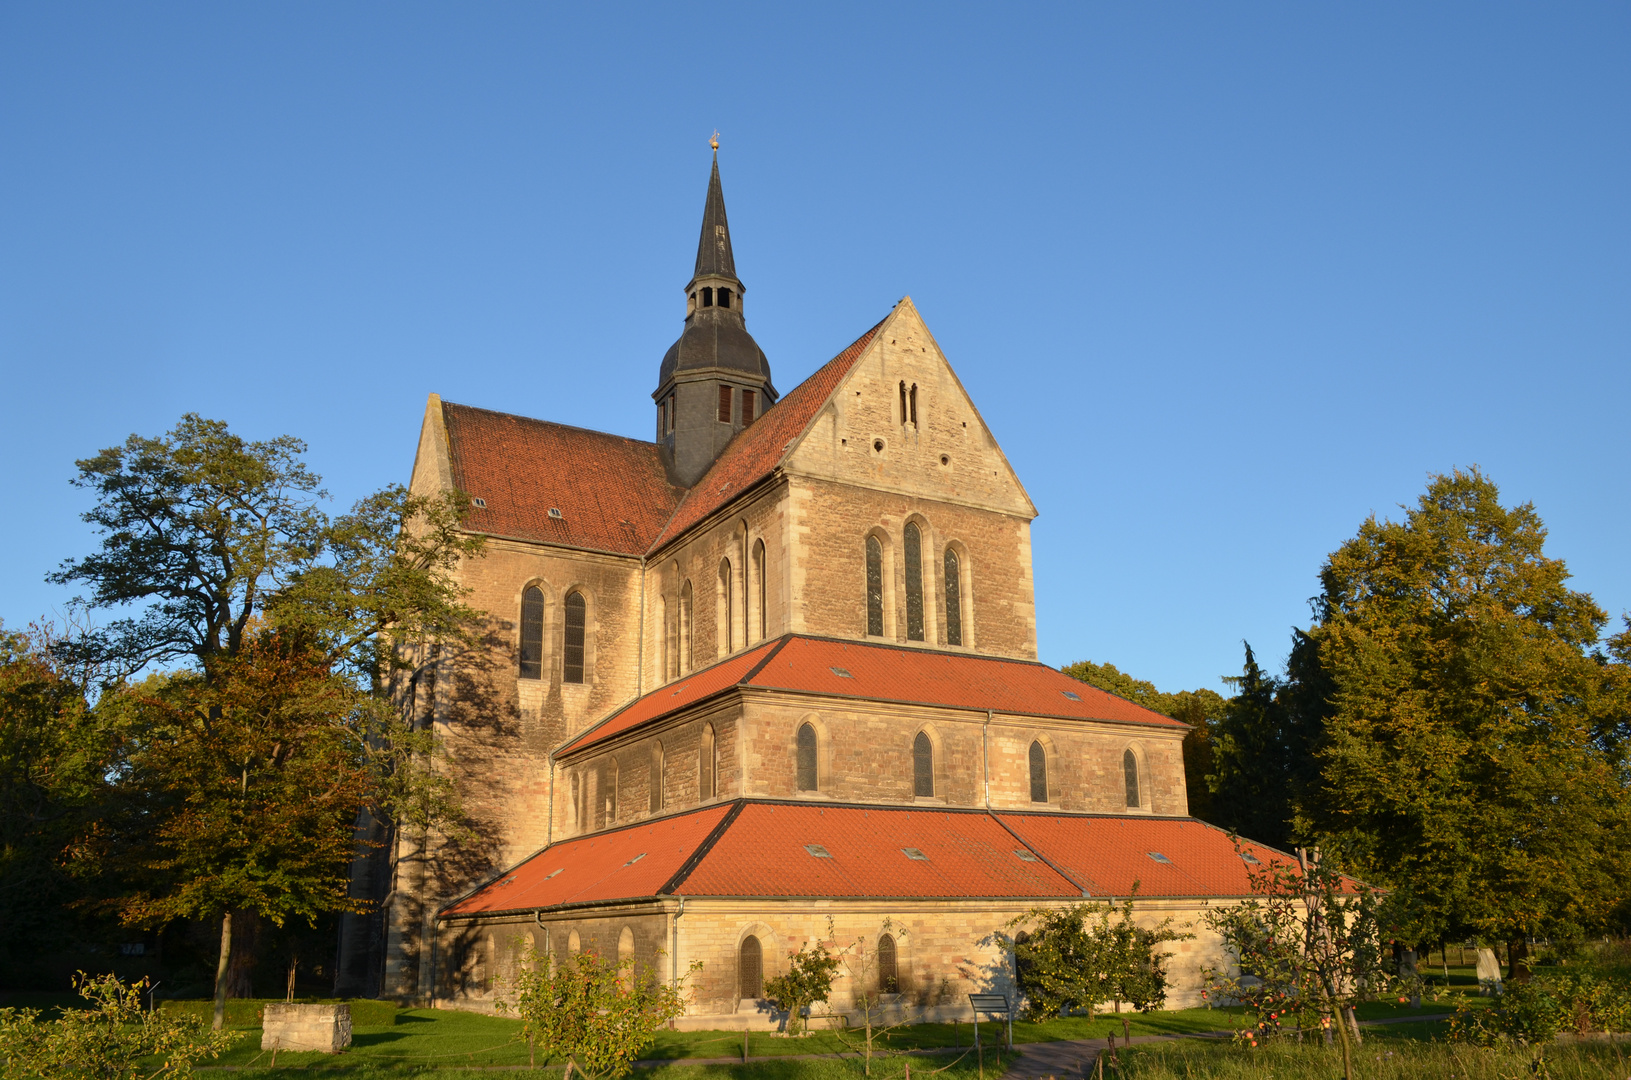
[
  {"x": 954, "y": 598},
  {"x": 760, "y": 612},
  {"x": 1039, "y": 773},
  {"x": 923, "y": 765},
  {"x": 888, "y": 966},
  {"x": 912, "y": 548},
  {"x": 576, "y": 614},
  {"x": 686, "y": 613},
  {"x": 808, "y": 772},
  {"x": 656, "y": 781},
  {"x": 532, "y": 633},
  {"x": 727, "y": 643},
  {"x": 874, "y": 586},
  {"x": 707, "y": 765},
  {"x": 1129, "y": 768},
  {"x": 750, "y": 967}
]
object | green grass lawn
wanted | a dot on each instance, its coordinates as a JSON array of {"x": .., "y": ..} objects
[
  {"x": 446, "y": 1040},
  {"x": 1377, "y": 1059}
]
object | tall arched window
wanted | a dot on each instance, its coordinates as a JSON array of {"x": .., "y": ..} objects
[
  {"x": 532, "y": 633},
  {"x": 808, "y": 775},
  {"x": 608, "y": 791},
  {"x": 1129, "y": 766},
  {"x": 726, "y": 642},
  {"x": 572, "y": 645},
  {"x": 759, "y": 608},
  {"x": 874, "y": 586},
  {"x": 686, "y": 611},
  {"x": 750, "y": 968},
  {"x": 625, "y": 953},
  {"x": 954, "y": 598},
  {"x": 577, "y": 801},
  {"x": 706, "y": 763},
  {"x": 913, "y": 551},
  {"x": 922, "y": 765},
  {"x": 662, "y": 638},
  {"x": 656, "y": 781},
  {"x": 1039, "y": 773},
  {"x": 888, "y": 966}
]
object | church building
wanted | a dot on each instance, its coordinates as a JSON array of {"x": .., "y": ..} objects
[{"x": 772, "y": 667}]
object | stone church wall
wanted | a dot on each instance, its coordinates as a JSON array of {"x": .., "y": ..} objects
[
  {"x": 832, "y": 522},
  {"x": 945, "y": 950},
  {"x": 731, "y": 535}
]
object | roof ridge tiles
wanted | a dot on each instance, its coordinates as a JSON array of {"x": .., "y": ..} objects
[
  {"x": 706, "y": 496},
  {"x": 551, "y": 423},
  {"x": 707, "y": 845}
]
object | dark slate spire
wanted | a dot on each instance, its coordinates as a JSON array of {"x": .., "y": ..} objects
[
  {"x": 715, "y": 380},
  {"x": 714, "y": 258}
]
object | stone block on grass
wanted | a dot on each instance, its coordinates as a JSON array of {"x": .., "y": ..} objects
[{"x": 325, "y": 1028}]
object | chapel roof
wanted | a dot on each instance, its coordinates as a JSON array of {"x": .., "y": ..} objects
[
  {"x": 612, "y": 493},
  {"x": 773, "y": 849},
  {"x": 875, "y": 671}
]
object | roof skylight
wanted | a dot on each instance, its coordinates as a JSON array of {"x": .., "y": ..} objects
[
  {"x": 914, "y": 853},
  {"x": 553, "y": 872},
  {"x": 479, "y": 503},
  {"x": 636, "y": 859},
  {"x": 842, "y": 673},
  {"x": 1071, "y": 694},
  {"x": 1248, "y": 857},
  {"x": 1025, "y": 856},
  {"x": 817, "y": 851},
  {"x": 1158, "y": 857}
]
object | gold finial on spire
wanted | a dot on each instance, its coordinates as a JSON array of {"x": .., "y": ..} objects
[{"x": 714, "y": 142}]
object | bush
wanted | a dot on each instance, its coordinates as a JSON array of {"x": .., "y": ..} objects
[
  {"x": 113, "y": 1039},
  {"x": 246, "y": 1012},
  {"x": 1568, "y": 999}
]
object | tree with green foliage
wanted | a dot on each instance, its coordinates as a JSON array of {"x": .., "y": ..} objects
[
  {"x": 1308, "y": 947},
  {"x": 1200, "y": 709},
  {"x": 280, "y": 618},
  {"x": 54, "y": 761},
  {"x": 114, "y": 1039},
  {"x": 595, "y": 1014},
  {"x": 1263, "y": 754},
  {"x": 1475, "y": 731},
  {"x": 1078, "y": 957},
  {"x": 808, "y": 980}
]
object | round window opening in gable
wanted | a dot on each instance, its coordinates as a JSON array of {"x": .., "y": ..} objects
[{"x": 877, "y": 444}]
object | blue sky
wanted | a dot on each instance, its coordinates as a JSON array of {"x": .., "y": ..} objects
[{"x": 1223, "y": 279}]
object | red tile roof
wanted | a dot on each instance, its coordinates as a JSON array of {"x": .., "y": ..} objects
[
  {"x": 763, "y": 853},
  {"x": 763, "y": 849},
  {"x": 676, "y": 695},
  {"x": 636, "y": 861},
  {"x": 756, "y": 451},
  {"x": 879, "y": 672},
  {"x": 613, "y": 493},
  {"x": 1107, "y": 855}
]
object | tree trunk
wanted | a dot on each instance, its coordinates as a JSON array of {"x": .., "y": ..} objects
[
  {"x": 241, "y": 968},
  {"x": 221, "y": 972},
  {"x": 1517, "y": 955}
]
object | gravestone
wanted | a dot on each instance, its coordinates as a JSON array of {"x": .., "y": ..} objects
[
  {"x": 1489, "y": 972},
  {"x": 326, "y": 1027}
]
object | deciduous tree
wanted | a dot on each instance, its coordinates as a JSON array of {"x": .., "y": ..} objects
[
  {"x": 279, "y": 617},
  {"x": 1475, "y": 733}
]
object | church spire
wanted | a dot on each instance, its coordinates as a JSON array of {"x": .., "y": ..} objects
[
  {"x": 715, "y": 379},
  {"x": 714, "y": 258}
]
